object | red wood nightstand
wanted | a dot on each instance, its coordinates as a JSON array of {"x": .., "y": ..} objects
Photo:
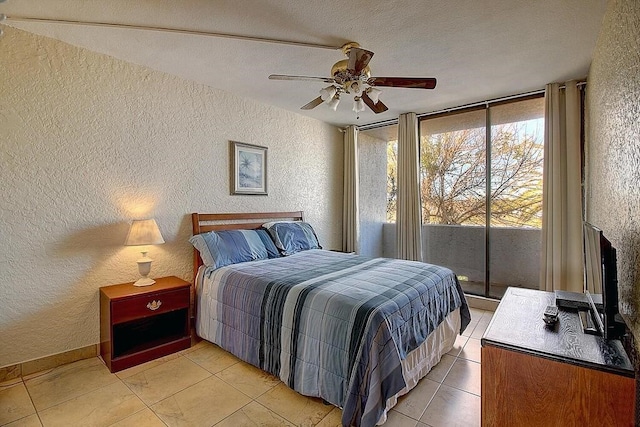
[{"x": 138, "y": 324}]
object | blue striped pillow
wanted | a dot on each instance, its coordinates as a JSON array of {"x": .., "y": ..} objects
[
  {"x": 272, "y": 251},
  {"x": 220, "y": 248},
  {"x": 292, "y": 236}
]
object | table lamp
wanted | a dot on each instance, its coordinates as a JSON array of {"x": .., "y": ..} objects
[{"x": 144, "y": 232}]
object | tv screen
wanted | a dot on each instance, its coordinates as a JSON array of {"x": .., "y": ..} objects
[
  {"x": 593, "y": 269},
  {"x": 601, "y": 281}
]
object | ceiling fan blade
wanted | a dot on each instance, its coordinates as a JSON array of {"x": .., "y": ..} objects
[
  {"x": 358, "y": 60},
  {"x": 307, "y": 78},
  {"x": 377, "y": 108},
  {"x": 313, "y": 104},
  {"x": 408, "y": 82}
]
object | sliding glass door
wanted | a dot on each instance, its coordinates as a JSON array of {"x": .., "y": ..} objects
[
  {"x": 481, "y": 193},
  {"x": 517, "y": 153},
  {"x": 453, "y": 171},
  {"x": 481, "y": 177}
]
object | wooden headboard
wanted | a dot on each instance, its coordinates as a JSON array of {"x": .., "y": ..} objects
[{"x": 204, "y": 222}]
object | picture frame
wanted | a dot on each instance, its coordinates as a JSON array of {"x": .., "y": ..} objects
[{"x": 248, "y": 169}]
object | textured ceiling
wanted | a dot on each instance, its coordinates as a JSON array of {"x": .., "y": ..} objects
[{"x": 477, "y": 49}]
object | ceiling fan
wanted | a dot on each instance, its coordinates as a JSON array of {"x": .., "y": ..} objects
[{"x": 353, "y": 75}]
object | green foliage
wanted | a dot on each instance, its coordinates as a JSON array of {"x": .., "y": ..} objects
[{"x": 453, "y": 177}]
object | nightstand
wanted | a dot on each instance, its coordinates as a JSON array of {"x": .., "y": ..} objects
[{"x": 138, "y": 324}]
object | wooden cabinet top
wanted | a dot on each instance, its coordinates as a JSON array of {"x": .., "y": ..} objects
[
  {"x": 127, "y": 290},
  {"x": 517, "y": 325}
]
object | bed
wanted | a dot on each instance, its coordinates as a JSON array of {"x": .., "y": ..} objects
[{"x": 357, "y": 332}]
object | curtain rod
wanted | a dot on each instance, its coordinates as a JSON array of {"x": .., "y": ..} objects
[
  {"x": 168, "y": 30},
  {"x": 464, "y": 107}
]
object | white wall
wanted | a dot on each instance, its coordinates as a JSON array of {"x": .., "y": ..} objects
[
  {"x": 372, "y": 165},
  {"x": 90, "y": 143}
]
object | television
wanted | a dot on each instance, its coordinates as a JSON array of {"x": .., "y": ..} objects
[{"x": 601, "y": 284}]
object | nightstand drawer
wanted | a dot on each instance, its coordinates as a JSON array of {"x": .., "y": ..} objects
[{"x": 148, "y": 305}]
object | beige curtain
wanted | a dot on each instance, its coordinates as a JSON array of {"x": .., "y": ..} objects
[
  {"x": 409, "y": 213},
  {"x": 350, "y": 214},
  {"x": 562, "y": 254}
]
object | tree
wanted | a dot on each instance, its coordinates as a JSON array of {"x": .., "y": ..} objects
[
  {"x": 516, "y": 176},
  {"x": 453, "y": 177},
  {"x": 392, "y": 180}
]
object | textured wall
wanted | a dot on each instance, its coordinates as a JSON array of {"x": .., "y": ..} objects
[
  {"x": 372, "y": 164},
  {"x": 89, "y": 143},
  {"x": 613, "y": 147}
]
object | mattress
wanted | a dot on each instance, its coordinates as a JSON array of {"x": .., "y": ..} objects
[{"x": 354, "y": 331}]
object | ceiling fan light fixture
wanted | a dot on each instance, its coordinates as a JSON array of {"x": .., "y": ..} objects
[
  {"x": 358, "y": 104},
  {"x": 333, "y": 102},
  {"x": 328, "y": 93},
  {"x": 352, "y": 76},
  {"x": 374, "y": 94}
]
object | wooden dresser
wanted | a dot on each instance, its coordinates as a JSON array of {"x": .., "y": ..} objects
[{"x": 535, "y": 375}]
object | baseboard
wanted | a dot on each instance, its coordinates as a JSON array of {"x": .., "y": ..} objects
[{"x": 48, "y": 362}]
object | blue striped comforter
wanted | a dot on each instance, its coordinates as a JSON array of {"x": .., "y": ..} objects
[{"x": 330, "y": 325}]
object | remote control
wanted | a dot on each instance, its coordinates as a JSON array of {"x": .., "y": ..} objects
[
  {"x": 551, "y": 311},
  {"x": 550, "y": 315}
]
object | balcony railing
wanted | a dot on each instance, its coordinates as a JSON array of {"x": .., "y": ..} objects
[{"x": 514, "y": 254}]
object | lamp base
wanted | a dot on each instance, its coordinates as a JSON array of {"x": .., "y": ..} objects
[{"x": 144, "y": 281}]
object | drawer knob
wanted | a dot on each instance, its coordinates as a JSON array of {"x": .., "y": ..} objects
[{"x": 154, "y": 305}]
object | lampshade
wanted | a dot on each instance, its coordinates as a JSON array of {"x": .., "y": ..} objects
[
  {"x": 333, "y": 103},
  {"x": 327, "y": 94},
  {"x": 144, "y": 232},
  {"x": 358, "y": 104}
]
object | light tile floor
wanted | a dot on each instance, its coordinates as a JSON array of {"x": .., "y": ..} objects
[{"x": 206, "y": 386}]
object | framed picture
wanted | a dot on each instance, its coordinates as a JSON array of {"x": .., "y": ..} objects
[{"x": 248, "y": 169}]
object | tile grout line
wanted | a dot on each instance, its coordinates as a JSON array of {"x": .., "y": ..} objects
[
  {"x": 444, "y": 377},
  {"x": 32, "y": 402},
  {"x": 252, "y": 399},
  {"x": 70, "y": 399},
  {"x": 173, "y": 394},
  {"x": 440, "y": 384},
  {"x": 430, "y": 400},
  {"x": 38, "y": 412},
  {"x": 138, "y": 397}
]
